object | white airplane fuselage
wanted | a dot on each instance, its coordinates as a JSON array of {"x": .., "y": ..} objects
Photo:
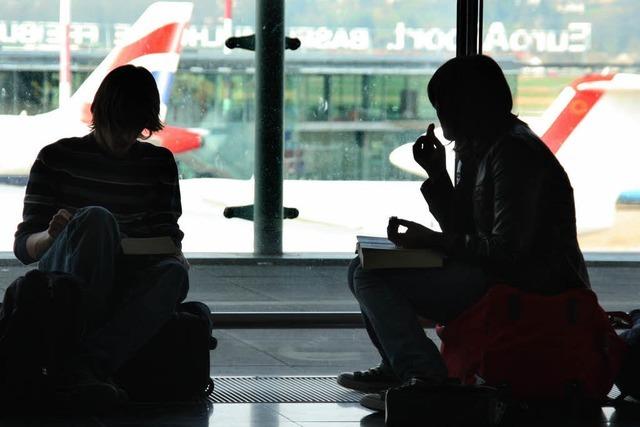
[{"x": 25, "y": 136}]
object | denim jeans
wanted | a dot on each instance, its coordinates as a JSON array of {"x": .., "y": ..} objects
[
  {"x": 126, "y": 299},
  {"x": 391, "y": 301}
]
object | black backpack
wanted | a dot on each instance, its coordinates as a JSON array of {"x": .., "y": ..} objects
[
  {"x": 174, "y": 365},
  {"x": 41, "y": 325}
]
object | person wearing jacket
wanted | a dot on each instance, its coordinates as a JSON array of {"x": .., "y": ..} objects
[{"x": 509, "y": 218}]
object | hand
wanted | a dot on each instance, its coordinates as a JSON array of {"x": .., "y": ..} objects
[
  {"x": 417, "y": 236},
  {"x": 429, "y": 153},
  {"x": 58, "y": 223}
]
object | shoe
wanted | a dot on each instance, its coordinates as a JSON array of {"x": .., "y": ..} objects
[
  {"x": 370, "y": 381},
  {"x": 83, "y": 389},
  {"x": 622, "y": 320},
  {"x": 377, "y": 401},
  {"x": 374, "y": 401}
]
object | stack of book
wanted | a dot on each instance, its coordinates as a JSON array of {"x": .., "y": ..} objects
[{"x": 380, "y": 252}]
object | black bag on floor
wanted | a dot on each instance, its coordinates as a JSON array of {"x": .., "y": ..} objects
[
  {"x": 41, "y": 325},
  {"x": 451, "y": 405},
  {"x": 174, "y": 365}
]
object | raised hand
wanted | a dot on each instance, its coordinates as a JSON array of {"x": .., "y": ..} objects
[
  {"x": 429, "y": 153},
  {"x": 58, "y": 222}
]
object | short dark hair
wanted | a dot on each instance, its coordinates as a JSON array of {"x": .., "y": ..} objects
[
  {"x": 475, "y": 89},
  {"x": 127, "y": 99}
]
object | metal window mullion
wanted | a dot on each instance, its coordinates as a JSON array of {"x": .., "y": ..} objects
[
  {"x": 469, "y": 27},
  {"x": 480, "y": 25},
  {"x": 472, "y": 27},
  {"x": 269, "y": 152},
  {"x": 461, "y": 28}
]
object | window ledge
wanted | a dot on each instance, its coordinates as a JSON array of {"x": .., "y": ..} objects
[{"x": 593, "y": 259}]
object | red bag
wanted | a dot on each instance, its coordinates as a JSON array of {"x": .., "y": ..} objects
[{"x": 537, "y": 345}]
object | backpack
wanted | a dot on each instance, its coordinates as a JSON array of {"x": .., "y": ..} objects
[
  {"x": 41, "y": 326},
  {"x": 174, "y": 365},
  {"x": 541, "y": 347}
]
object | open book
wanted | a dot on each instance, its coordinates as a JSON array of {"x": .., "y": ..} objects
[
  {"x": 380, "y": 252},
  {"x": 162, "y": 245}
]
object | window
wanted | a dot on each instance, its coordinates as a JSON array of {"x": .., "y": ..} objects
[
  {"x": 354, "y": 100},
  {"x": 578, "y": 88}
]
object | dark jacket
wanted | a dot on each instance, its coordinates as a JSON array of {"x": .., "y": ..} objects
[{"x": 513, "y": 214}]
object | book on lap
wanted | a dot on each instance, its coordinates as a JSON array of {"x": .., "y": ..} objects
[
  {"x": 162, "y": 245},
  {"x": 380, "y": 252}
]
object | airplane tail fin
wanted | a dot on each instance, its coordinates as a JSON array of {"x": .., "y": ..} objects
[
  {"x": 592, "y": 128},
  {"x": 568, "y": 110},
  {"x": 152, "y": 42}
]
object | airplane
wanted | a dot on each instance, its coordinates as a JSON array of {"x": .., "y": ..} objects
[
  {"x": 154, "y": 42},
  {"x": 589, "y": 127},
  {"x": 592, "y": 127}
]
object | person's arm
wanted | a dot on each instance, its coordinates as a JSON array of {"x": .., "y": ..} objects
[
  {"x": 38, "y": 243},
  {"x": 517, "y": 193},
  {"x": 39, "y": 209},
  {"x": 437, "y": 190},
  {"x": 168, "y": 208}
]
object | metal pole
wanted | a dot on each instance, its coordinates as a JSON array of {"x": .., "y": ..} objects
[
  {"x": 472, "y": 27},
  {"x": 461, "y": 28},
  {"x": 480, "y": 26},
  {"x": 64, "y": 86},
  {"x": 268, "y": 212}
]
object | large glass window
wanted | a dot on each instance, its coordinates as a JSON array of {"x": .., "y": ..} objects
[
  {"x": 355, "y": 96},
  {"x": 578, "y": 88}
]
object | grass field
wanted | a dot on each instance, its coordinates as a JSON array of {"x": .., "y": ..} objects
[{"x": 535, "y": 94}]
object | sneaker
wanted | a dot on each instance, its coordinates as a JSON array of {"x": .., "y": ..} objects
[
  {"x": 374, "y": 401},
  {"x": 370, "y": 381},
  {"x": 377, "y": 401}
]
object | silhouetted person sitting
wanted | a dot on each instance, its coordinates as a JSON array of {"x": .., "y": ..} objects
[
  {"x": 509, "y": 219},
  {"x": 84, "y": 195}
]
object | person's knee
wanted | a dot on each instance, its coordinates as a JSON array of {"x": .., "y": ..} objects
[
  {"x": 360, "y": 279},
  {"x": 353, "y": 266},
  {"x": 96, "y": 219},
  {"x": 174, "y": 276}
]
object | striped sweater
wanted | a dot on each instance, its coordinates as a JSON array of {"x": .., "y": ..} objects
[{"x": 141, "y": 190}]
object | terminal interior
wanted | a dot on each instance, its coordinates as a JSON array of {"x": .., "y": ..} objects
[{"x": 353, "y": 93}]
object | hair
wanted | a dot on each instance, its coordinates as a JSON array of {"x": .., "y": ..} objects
[
  {"x": 473, "y": 92},
  {"x": 127, "y": 100}
]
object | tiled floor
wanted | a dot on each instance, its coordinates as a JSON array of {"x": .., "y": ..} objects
[
  {"x": 288, "y": 415},
  {"x": 293, "y": 287}
]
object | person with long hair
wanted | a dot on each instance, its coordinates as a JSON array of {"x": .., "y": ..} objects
[
  {"x": 509, "y": 218},
  {"x": 83, "y": 196}
]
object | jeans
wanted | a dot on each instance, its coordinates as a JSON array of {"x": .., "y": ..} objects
[
  {"x": 126, "y": 299},
  {"x": 391, "y": 301}
]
